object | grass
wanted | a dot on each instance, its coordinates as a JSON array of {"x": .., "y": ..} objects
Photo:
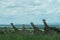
[{"x": 28, "y": 37}]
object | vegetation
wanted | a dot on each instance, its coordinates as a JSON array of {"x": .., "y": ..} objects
[
  {"x": 28, "y": 37},
  {"x": 47, "y": 33}
]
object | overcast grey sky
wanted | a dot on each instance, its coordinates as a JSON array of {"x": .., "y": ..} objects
[{"x": 26, "y": 11}]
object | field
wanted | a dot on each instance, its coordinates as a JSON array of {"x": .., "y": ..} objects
[
  {"x": 18, "y": 36},
  {"x": 28, "y": 37}
]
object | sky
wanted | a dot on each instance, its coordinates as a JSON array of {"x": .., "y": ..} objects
[{"x": 27, "y": 11}]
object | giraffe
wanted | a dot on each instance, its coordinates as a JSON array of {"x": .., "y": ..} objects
[
  {"x": 36, "y": 29},
  {"x": 25, "y": 31},
  {"x": 16, "y": 30},
  {"x": 46, "y": 28},
  {"x": 49, "y": 30}
]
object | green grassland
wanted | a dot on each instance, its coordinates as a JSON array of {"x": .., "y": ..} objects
[
  {"x": 18, "y": 36},
  {"x": 15, "y": 36}
]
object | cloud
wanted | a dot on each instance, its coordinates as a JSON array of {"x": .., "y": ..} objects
[{"x": 20, "y": 10}]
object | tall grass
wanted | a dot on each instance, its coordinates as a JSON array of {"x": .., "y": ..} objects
[{"x": 28, "y": 37}]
